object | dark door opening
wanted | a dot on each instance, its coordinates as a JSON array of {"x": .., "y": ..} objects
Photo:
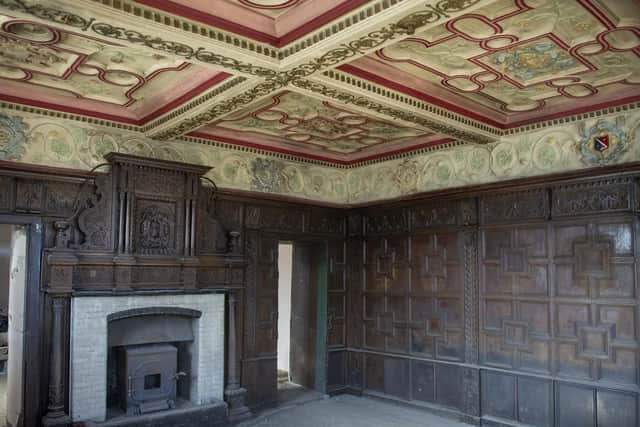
[{"x": 301, "y": 318}]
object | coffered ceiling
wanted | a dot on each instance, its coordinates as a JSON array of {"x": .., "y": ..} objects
[{"x": 332, "y": 80}]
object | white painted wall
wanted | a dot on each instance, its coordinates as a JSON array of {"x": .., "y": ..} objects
[
  {"x": 17, "y": 287},
  {"x": 285, "y": 259}
]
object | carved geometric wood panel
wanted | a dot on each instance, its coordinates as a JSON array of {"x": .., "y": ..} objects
[
  {"x": 385, "y": 308},
  {"x": 579, "y": 323},
  {"x": 413, "y": 296},
  {"x": 435, "y": 297},
  {"x": 337, "y": 298},
  {"x": 515, "y": 300}
]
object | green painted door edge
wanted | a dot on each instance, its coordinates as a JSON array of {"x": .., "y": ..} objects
[{"x": 321, "y": 318}]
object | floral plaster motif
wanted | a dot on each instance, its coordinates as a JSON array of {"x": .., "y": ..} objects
[
  {"x": 542, "y": 152},
  {"x": 56, "y": 142},
  {"x": 12, "y": 137}
]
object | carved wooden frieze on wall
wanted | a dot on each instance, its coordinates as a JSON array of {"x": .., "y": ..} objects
[
  {"x": 274, "y": 218},
  {"x": 455, "y": 212},
  {"x": 29, "y": 195},
  {"x": 325, "y": 222},
  {"x": 6, "y": 192},
  {"x": 612, "y": 195},
  {"x": 386, "y": 222},
  {"x": 521, "y": 205}
]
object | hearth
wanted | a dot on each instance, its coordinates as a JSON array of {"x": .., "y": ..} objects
[
  {"x": 149, "y": 359},
  {"x": 148, "y": 376},
  {"x": 135, "y": 357}
]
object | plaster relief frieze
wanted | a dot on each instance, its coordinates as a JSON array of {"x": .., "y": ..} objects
[
  {"x": 543, "y": 152},
  {"x": 64, "y": 143}
]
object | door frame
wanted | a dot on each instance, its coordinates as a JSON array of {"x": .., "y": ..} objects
[
  {"x": 319, "y": 273},
  {"x": 32, "y": 380}
]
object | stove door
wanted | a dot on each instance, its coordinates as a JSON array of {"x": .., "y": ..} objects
[{"x": 152, "y": 380}]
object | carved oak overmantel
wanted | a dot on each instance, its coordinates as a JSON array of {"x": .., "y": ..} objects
[{"x": 136, "y": 228}]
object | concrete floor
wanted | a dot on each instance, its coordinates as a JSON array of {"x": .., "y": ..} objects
[{"x": 348, "y": 411}]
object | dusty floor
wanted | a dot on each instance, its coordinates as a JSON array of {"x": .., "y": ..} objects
[{"x": 348, "y": 411}]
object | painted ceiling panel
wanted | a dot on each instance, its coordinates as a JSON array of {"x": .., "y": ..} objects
[
  {"x": 76, "y": 72},
  {"x": 521, "y": 61},
  {"x": 293, "y": 120},
  {"x": 274, "y": 21}
]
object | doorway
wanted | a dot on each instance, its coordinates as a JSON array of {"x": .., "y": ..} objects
[
  {"x": 13, "y": 280},
  {"x": 302, "y": 285}
]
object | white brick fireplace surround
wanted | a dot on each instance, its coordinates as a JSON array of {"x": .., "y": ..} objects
[{"x": 88, "y": 367}]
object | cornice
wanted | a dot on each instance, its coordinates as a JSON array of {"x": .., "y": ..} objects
[
  {"x": 531, "y": 127},
  {"x": 355, "y": 164}
]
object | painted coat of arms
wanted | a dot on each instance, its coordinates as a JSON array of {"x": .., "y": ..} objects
[{"x": 602, "y": 143}]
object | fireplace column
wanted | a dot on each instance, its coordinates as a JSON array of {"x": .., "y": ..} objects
[
  {"x": 55, "y": 408},
  {"x": 234, "y": 394}
]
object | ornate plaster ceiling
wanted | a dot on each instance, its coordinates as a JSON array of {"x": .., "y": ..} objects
[
  {"x": 520, "y": 61},
  {"x": 44, "y": 66},
  {"x": 317, "y": 128},
  {"x": 276, "y": 22},
  {"x": 332, "y": 80}
]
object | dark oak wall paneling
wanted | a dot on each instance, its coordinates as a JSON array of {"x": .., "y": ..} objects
[
  {"x": 94, "y": 240},
  {"x": 502, "y": 308}
]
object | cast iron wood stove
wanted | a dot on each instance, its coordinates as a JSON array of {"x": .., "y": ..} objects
[{"x": 150, "y": 373}]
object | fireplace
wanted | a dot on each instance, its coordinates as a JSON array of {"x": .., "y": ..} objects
[{"x": 136, "y": 355}]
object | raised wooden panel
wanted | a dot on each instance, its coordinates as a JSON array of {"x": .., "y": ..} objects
[
  {"x": 616, "y": 409},
  {"x": 515, "y": 299},
  {"x": 386, "y": 284},
  {"x": 436, "y": 297},
  {"x": 515, "y": 398},
  {"x": 596, "y": 310},
  {"x": 585, "y": 314},
  {"x": 423, "y": 381},
  {"x": 354, "y": 283},
  {"x": 266, "y": 307},
  {"x": 449, "y": 385},
  {"x": 259, "y": 377},
  {"x": 337, "y": 298},
  {"x": 336, "y": 369},
  {"x": 575, "y": 406}
]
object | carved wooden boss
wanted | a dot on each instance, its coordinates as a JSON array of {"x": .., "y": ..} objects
[{"x": 136, "y": 228}]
